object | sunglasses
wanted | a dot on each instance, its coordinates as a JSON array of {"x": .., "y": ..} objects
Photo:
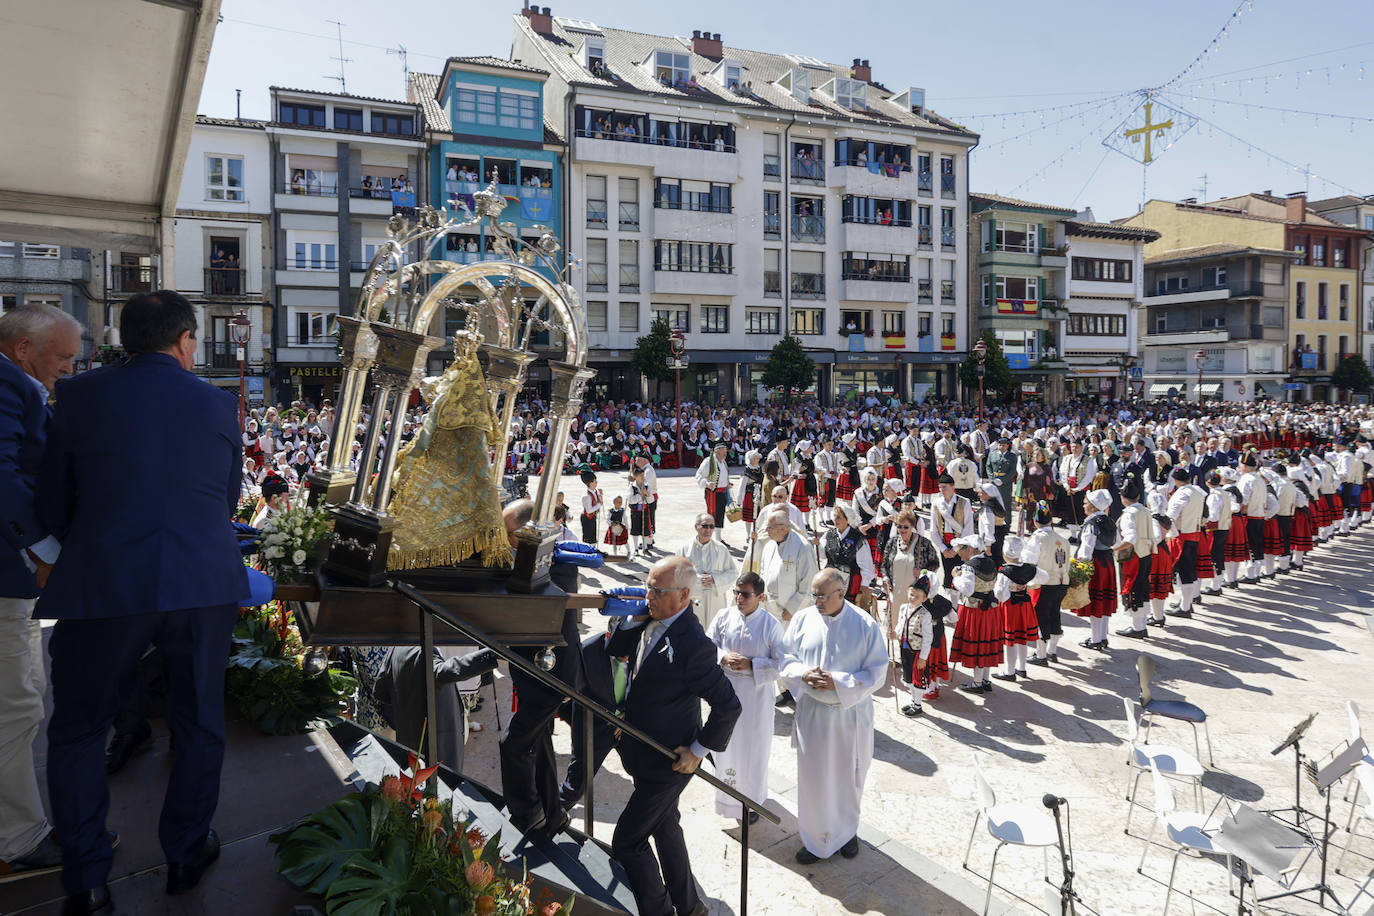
[
  {"x": 741, "y": 593},
  {"x": 706, "y": 526}
]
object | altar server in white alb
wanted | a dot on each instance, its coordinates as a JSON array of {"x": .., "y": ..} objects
[
  {"x": 834, "y": 657},
  {"x": 716, "y": 570},
  {"x": 749, "y": 644}
]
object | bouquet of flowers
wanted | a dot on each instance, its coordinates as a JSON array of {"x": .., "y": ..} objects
[
  {"x": 396, "y": 848},
  {"x": 1080, "y": 572},
  {"x": 292, "y": 540},
  {"x": 247, "y": 508}
]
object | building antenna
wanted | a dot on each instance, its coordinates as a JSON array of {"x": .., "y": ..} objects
[
  {"x": 342, "y": 78},
  {"x": 1202, "y": 191},
  {"x": 400, "y": 51}
]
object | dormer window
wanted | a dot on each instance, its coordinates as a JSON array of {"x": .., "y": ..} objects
[
  {"x": 672, "y": 69},
  {"x": 797, "y": 81},
  {"x": 596, "y": 56},
  {"x": 732, "y": 77},
  {"x": 849, "y": 93}
]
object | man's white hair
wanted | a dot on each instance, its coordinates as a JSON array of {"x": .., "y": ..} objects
[
  {"x": 34, "y": 321},
  {"x": 779, "y": 515}
]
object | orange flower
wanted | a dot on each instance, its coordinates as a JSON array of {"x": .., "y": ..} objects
[
  {"x": 479, "y": 875},
  {"x": 394, "y": 789},
  {"x": 551, "y": 909},
  {"x": 433, "y": 820},
  {"x": 484, "y": 905},
  {"x": 476, "y": 838}
]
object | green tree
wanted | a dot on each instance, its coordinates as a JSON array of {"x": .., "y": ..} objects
[
  {"x": 997, "y": 373},
  {"x": 652, "y": 353},
  {"x": 789, "y": 368},
  {"x": 1352, "y": 374}
]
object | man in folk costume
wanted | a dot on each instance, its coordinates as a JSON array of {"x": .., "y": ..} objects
[
  {"x": 1050, "y": 553},
  {"x": 844, "y": 548},
  {"x": 980, "y": 443},
  {"x": 716, "y": 570},
  {"x": 1237, "y": 552},
  {"x": 1350, "y": 476},
  {"x": 964, "y": 472},
  {"x": 591, "y": 506},
  {"x": 834, "y": 657},
  {"x": 1303, "y": 525},
  {"x": 749, "y": 643},
  {"x": 1328, "y": 488},
  {"x": 827, "y": 465},
  {"x": 847, "y": 482},
  {"x": 1012, "y": 591},
  {"x": 1253, "y": 496},
  {"x": 1095, "y": 544},
  {"x": 951, "y": 516},
  {"x": 1217, "y": 522},
  {"x": 911, "y": 457},
  {"x": 1076, "y": 473},
  {"x": 641, "y": 517},
  {"x": 651, "y": 483},
  {"x": 980, "y": 633},
  {"x": 1134, "y": 546},
  {"x": 1287, "y": 496},
  {"x": 713, "y": 476},
  {"x": 1185, "y": 509},
  {"x": 786, "y": 467}
]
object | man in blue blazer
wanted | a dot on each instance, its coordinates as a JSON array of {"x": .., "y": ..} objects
[
  {"x": 673, "y": 668},
  {"x": 37, "y": 346},
  {"x": 148, "y": 557}
]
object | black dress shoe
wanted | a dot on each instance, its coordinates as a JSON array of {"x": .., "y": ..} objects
[
  {"x": 806, "y": 856},
  {"x": 95, "y": 900},
  {"x": 1155, "y": 623},
  {"x": 1004, "y": 677},
  {"x": 122, "y": 747},
  {"x": 182, "y": 877},
  {"x": 1042, "y": 662},
  {"x": 1054, "y": 657},
  {"x": 1183, "y": 613},
  {"x": 851, "y": 849},
  {"x": 1133, "y": 634},
  {"x": 785, "y": 700},
  {"x": 971, "y": 688}
]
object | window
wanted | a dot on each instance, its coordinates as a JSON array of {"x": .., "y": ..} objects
[
  {"x": 301, "y": 115},
  {"x": 715, "y": 319},
  {"x": 732, "y": 75},
  {"x": 879, "y": 211},
  {"x": 683, "y": 194},
  {"x": 348, "y": 119},
  {"x": 946, "y": 281},
  {"x": 6, "y": 249},
  {"x": 677, "y": 316},
  {"x": 1097, "y": 325},
  {"x": 946, "y": 325},
  {"x": 1369, "y": 223},
  {"x": 314, "y": 329},
  {"x": 629, "y": 266},
  {"x": 596, "y": 200},
  {"x": 672, "y": 69},
  {"x": 1338, "y": 253},
  {"x": 1213, "y": 277},
  {"x": 923, "y": 326},
  {"x": 946, "y": 176},
  {"x": 808, "y": 219},
  {"x": 596, "y": 265},
  {"x": 947, "y": 238},
  {"x": 1018, "y": 346},
  {"x": 894, "y": 324},
  {"x": 1300, "y": 299},
  {"x": 629, "y": 203},
  {"x": 808, "y": 322},
  {"x": 1272, "y": 316},
  {"x": 1017, "y": 288},
  {"x": 1321, "y": 301},
  {"x": 224, "y": 178},
  {"x": 798, "y": 82},
  {"x": 850, "y": 93},
  {"x": 892, "y": 268},
  {"x": 596, "y": 55},
  {"x": 761, "y": 321},
  {"x": 518, "y": 111},
  {"x": 923, "y": 225},
  {"x": 924, "y": 281},
  {"x": 8, "y": 301},
  {"x": 308, "y": 255},
  {"x": 772, "y": 215},
  {"x": 772, "y": 273},
  {"x": 856, "y": 320},
  {"x": 41, "y": 299},
  {"x": 629, "y": 316},
  {"x": 1342, "y": 347},
  {"x": 694, "y": 257},
  {"x": 1178, "y": 284},
  {"x": 40, "y": 252},
  {"x": 808, "y": 275},
  {"x": 1318, "y": 254},
  {"x": 1013, "y": 236},
  {"x": 397, "y": 125},
  {"x": 1116, "y": 271},
  {"x": 1344, "y": 302},
  {"x": 923, "y": 177},
  {"x": 475, "y": 106},
  {"x": 596, "y": 315}
]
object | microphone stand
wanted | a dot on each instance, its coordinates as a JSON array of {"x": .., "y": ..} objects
[{"x": 1067, "y": 895}]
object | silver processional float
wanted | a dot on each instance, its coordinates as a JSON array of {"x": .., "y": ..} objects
[{"x": 429, "y": 513}]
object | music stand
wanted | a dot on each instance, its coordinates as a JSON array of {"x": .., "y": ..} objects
[
  {"x": 1325, "y": 779},
  {"x": 1294, "y": 740},
  {"x": 1263, "y": 844}
]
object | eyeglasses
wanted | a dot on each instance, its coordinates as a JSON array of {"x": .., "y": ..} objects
[
  {"x": 740, "y": 593},
  {"x": 819, "y": 598},
  {"x": 706, "y": 526},
  {"x": 655, "y": 590}
]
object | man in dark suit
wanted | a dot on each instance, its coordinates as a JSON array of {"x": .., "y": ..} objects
[
  {"x": 599, "y": 684},
  {"x": 37, "y": 346},
  {"x": 673, "y": 669},
  {"x": 148, "y": 556}
]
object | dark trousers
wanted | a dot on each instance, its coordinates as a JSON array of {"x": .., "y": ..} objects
[
  {"x": 653, "y": 517},
  {"x": 1285, "y": 532},
  {"x": 574, "y": 784},
  {"x": 89, "y": 657},
  {"x": 1254, "y": 538},
  {"x": 1187, "y": 562},
  {"x": 663, "y": 883},
  {"x": 949, "y": 564},
  {"x": 1350, "y": 499},
  {"x": 1219, "y": 551},
  {"x": 1048, "y": 607},
  {"x": 529, "y": 770},
  {"x": 588, "y": 529},
  {"x": 1140, "y": 589}
]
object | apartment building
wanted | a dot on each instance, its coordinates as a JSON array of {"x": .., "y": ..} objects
[
  {"x": 55, "y": 275},
  {"x": 341, "y": 165},
  {"x": 741, "y": 194},
  {"x": 1358, "y": 213}
]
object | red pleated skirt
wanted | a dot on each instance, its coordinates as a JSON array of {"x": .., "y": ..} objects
[
  {"x": 936, "y": 668},
  {"x": 1366, "y": 497},
  {"x": 1101, "y": 591},
  {"x": 1300, "y": 537},
  {"x": 843, "y": 488},
  {"x": 1273, "y": 540},
  {"x": 799, "y": 497},
  {"x": 930, "y": 479},
  {"x": 978, "y": 637},
  {"x": 1129, "y": 570},
  {"x": 1019, "y": 622},
  {"x": 1162, "y": 573},
  {"x": 747, "y": 506},
  {"x": 893, "y": 472},
  {"x": 1237, "y": 548}
]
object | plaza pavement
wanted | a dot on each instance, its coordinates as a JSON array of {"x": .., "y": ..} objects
[{"x": 1257, "y": 660}]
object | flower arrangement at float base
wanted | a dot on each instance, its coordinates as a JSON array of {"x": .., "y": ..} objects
[
  {"x": 398, "y": 849},
  {"x": 291, "y": 542}
]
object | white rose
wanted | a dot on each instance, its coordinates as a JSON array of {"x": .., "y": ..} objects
[
  {"x": 273, "y": 553},
  {"x": 298, "y": 558}
]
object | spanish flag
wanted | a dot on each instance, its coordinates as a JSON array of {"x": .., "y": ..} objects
[
  {"x": 1017, "y": 306},
  {"x": 894, "y": 341}
]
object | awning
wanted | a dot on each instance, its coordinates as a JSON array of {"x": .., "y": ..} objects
[
  {"x": 1210, "y": 388},
  {"x": 1161, "y": 389},
  {"x": 99, "y": 139}
]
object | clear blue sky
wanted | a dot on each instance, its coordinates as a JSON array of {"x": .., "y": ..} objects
[{"x": 972, "y": 59}]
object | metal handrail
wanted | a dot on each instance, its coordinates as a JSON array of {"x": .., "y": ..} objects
[{"x": 430, "y": 610}]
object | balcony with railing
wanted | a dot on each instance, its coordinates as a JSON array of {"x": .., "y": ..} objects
[
  {"x": 772, "y": 284},
  {"x": 946, "y": 291},
  {"x": 808, "y": 171},
  {"x": 923, "y": 181},
  {"x": 596, "y": 275},
  {"x": 772, "y": 224},
  {"x": 923, "y": 236},
  {"x": 133, "y": 278},
  {"x": 221, "y": 355},
  {"x": 629, "y": 214},
  {"x": 772, "y": 167},
  {"x": 948, "y": 239},
  {"x": 808, "y": 286},
  {"x": 923, "y": 291},
  {"x": 629, "y": 278},
  {"x": 303, "y": 188},
  {"x": 225, "y": 282},
  {"x": 808, "y": 229},
  {"x": 947, "y": 184},
  {"x": 596, "y": 213}
]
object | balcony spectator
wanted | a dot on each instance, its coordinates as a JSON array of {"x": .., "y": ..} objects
[
  {"x": 885, "y": 218},
  {"x": 298, "y": 182},
  {"x": 720, "y": 142},
  {"x": 452, "y": 174},
  {"x": 862, "y": 159},
  {"x": 367, "y": 183},
  {"x": 231, "y": 274}
]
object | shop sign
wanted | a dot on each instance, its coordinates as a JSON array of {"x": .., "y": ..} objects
[
  {"x": 1030, "y": 388},
  {"x": 315, "y": 371}
]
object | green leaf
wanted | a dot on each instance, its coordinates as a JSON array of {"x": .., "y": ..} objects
[
  {"x": 373, "y": 888},
  {"x": 313, "y": 854}
]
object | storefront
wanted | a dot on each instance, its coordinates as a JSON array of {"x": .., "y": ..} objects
[{"x": 310, "y": 382}]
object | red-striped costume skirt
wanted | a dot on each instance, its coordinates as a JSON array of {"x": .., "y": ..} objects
[
  {"x": 936, "y": 668},
  {"x": 800, "y": 498},
  {"x": 826, "y": 492},
  {"x": 1237, "y": 548},
  {"x": 1204, "y": 553},
  {"x": 1019, "y": 623},
  {"x": 844, "y": 487},
  {"x": 1330, "y": 512},
  {"x": 1300, "y": 536},
  {"x": 1101, "y": 587},
  {"x": 872, "y": 538},
  {"x": 1366, "y": 496},
  {"x": 978, "y": 637},
  {"x": 614, "y": 539},
  {"x": 1162, "y": 572},
  {"x": 893, "y": 472},
  {"x": 1273, "y": 539},
  {"x": 747, "y": 506},
  {"x": 1130, "y": 569},
  {"x": 930, "y": 479}
]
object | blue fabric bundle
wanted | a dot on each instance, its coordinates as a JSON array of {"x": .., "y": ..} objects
[
  {"x": 626, "y": 601},
  {"x": 577, "y": 553}
]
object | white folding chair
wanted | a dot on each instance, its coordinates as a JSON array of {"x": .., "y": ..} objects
[
  {"x": 1169, "y": 709},
  {"x": 1365, "y": 890},
  {"x": 1185, "y": 829},
  {"x": 1364, "y": 779},
  {"x": 1169, "y": 760},
  {"x": 1017, "y": 825},
  {"x": 1353, "y": 711}
]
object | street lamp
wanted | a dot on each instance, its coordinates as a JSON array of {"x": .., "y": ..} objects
[
  {"x": 241, "y": 328},
  {"x": 980, "y": 351},
  {"x": 677, "y": 344},
  {"x": 1200, "y": 357}
]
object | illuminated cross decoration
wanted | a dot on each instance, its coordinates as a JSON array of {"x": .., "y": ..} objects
[{"x": 1149, "y": 130}]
